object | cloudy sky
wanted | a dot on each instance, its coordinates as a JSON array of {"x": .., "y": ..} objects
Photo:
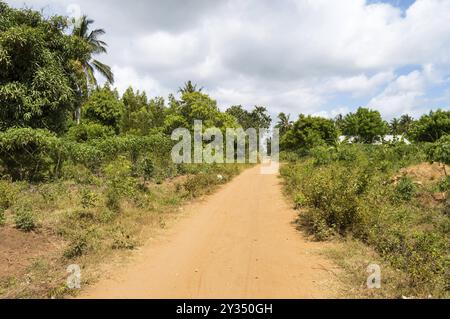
[{"x": 321, "y": 57}]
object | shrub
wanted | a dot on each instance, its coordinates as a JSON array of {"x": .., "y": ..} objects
[
  {"x": 30, "y": 154},
  {"x": 84, "y": 154},
  {"x": 76, "y": 248},
  {"x": 147, "y": 169},
  {"x": 199, "y": 184},
  {"x": 88, "y": 198},
  {"x": 322, "y": 155},
  {"x": 25, "y": 219},
  {"x": 405, "y": 189},
  {"x": 300, "y": 201},
  {"x": 356, "y": 199},
  {"x": 440, "y": 152},
  {"x": 333, "y": 193},
  {"x": 88, "y": 131},
  {"x": 119, "y": 182},
  {"x": 8, "y": 194},
  {"x": 444, "y": 184}
]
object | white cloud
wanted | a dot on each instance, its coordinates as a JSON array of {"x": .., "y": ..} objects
[
  {"x": 401, "y": 96},
  {"x": 293, "y": 56}
]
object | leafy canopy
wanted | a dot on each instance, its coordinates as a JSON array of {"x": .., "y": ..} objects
[
  {"x": 309, "y": 132},
  {"x": 431, "y": 127},
  {"x": 37, "y": 69},
  {"x": 104, "y": 107},
  {"x": 367, "y": 125}
]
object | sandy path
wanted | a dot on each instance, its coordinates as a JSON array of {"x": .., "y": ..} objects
[{"x": 238, "y": 243}]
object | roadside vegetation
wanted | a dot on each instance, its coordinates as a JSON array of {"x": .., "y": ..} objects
[
  {"x": 84, "y": 169},
  {"x": 388, "y": 201}
]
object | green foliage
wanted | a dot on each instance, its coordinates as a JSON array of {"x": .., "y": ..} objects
[
  {"x": 104, "y": 107},
  {"x": 367, "y": 125},
  {"x": 352, "y": 195},
  {"x": 431, "y": 127},
  {"x": 30, "y": 154},
  {"x": 88, "y": 199},
  {"x": 8, "y": 194},
  {"x": 444, "y": 184},
  {"x": 77, "y": 247},
  {"x": 147, "y": 168},
  {"x": 309, "y": 132},
  {"x": 284, "y": 124},
  {"x": 401, "y": 126},
  {"x": 440, "y": 151},
  {"x": 141, "y": 116},
  {"x": 119, "y": 182},
  {"x": 258, "y": 118},
  {"x": 174, "y": 121},
  {"x": 322, "y": 155},
  {"x": 405, "y": 189},
  {"x": 86, "y": 132},
  {"x": 37, "y": 74},
  {"x": 24, "y": 218}
]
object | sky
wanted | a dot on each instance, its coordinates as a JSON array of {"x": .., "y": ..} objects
[{"x": 319, "y": 57}]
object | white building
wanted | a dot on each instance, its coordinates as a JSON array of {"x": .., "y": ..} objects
[{"x": 387, "y": 139}]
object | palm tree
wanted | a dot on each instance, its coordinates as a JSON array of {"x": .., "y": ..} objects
[
  {"x": 87, "y": 64},
  {"x": 405, "y": 123},
  {"x": 284, "y": 123},
  {"x": 189, "y": 88},
  {"x": 395, "y": 126}
]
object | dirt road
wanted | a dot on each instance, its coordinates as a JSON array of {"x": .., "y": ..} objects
[{"x": 238, "y": 243}]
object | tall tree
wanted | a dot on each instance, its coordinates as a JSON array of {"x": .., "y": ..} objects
[
  {"x": 431, "y": 127},
  {"x": 308, "y": 132},
  {"x": 406, "y": 123},
  {"x": 87, "y": 63},
  {"x": 258, "y": 118},
  {"x": 394, "y": 126},
  {"x": 367, "y": 125},
  {"x": 37, "y": 70},
  {"x": 284, "y": 123},
  {"x": 104, "y": 107}
]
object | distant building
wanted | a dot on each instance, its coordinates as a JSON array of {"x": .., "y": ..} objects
[{"x": 387, "y": 139}]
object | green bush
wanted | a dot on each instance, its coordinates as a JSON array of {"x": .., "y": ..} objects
[
  {"x": 86, "y": 132},
  {"x": 322, "y": 155},
  {"x": 405, "y": 189},
  {"x": 119, "y": 182},
  {"x": 147, "y": 169},
  {"x": 25, "y": 219},
  {"x": 199, "y": 184},
  {"x": 359, "y": 200},
  {"x": 88, "y": 198},
  {"x": 440, "y": 152},
  {"x": 444, "y": 184},
  {"x": 8, "y": 194},
  {"x": 29, "y": 154}
]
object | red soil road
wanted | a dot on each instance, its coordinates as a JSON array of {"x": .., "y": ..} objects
[{"x": 240, "y": 242}]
